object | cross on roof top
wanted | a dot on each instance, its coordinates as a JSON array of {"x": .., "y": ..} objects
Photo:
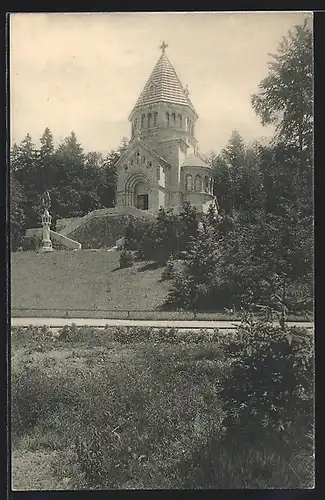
[{"x": 163, "y": 46}]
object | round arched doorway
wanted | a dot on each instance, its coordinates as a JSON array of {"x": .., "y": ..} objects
[
  {"x": 137, "y": 189},
  {"x": 141, "y": 195}
]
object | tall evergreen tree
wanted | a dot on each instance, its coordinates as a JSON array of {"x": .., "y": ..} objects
[
  {"x": 187, "y": 222},
  {"x": 222, "y": 184},
  {"x": 108, "y": 190},
  {"x": 46, "y": 161},
  {"x": 24, "y": 163},
  {"x": 17, "y": 215},
  {"x": 66, "y": 194}
]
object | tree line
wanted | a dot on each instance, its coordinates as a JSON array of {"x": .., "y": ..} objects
[{"x": 78, "y": 182}]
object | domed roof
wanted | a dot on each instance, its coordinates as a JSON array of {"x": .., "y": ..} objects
[
  {"x": 193, "y": 160},
  {"x": 164, "y": 86}
]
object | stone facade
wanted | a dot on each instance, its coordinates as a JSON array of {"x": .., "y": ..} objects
[{"x": 161, "y": 166}]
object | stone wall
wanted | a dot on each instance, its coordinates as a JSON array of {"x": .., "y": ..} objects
[{"x": 59, "y": 241}]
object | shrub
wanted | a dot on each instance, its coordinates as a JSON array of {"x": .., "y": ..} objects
[
  {"x": 166, "y": 335},
  {"x": 127, "y": 335},
  {"x": 34, "y": 396},
  {"x": 33, "y": 337},
  {"x": 126, "y": 258},
  {"x": 169, "y": 270},
  {"x": 69, "y": 333},
  {"x": 31, "y": 243},
  {"x": 269, "y": 393}
]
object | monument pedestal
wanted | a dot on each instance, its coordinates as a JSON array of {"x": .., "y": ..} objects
[
  {"x": 46, "y": 223},
  {"x": 46, "y": 246}
]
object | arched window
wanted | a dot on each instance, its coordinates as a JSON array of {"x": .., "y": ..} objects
[
  {"x": 143, "y": 159},
  {"x": 138, "y": 157},
  {"x": 187, "y": 124},
  {"x": 189, "y": 182},
  {"x": 131, "y": 162},
  {"x": 158, "y": 173},
  {"x": 180, "y": 121},
  {"x": 143, "y": 117},
  {"x": 198, "y": 183},
  {"x": 149, "y": 120},
  {"x": 155, "y": 119},
  {"x": 173, "y": 119},
  {"x": 167, "y": 119},
  {"x": 211, "y": 186},
  {"x": 206, "y": 184},
  {"x": 135, "y": 124}
]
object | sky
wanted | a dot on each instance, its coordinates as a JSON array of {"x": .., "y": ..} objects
[{"x": 84, "y": 72}]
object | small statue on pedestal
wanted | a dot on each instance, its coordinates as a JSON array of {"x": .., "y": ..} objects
[{"x": 46, "y": 223}]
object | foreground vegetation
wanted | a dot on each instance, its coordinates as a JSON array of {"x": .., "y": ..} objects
[{"x": 142, "y": 408}]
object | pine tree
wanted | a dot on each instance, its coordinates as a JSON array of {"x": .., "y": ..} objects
[
  {"x": 187, "y": 222},
  {"x": 24, "y": 163},
  {"x": 234, "y": 155},
  {"x": 222, "y": 184},
  {"x": 66, "y": 194},
  {"x": 17, "y": 215},
  {"x": 46, "y": 159}
]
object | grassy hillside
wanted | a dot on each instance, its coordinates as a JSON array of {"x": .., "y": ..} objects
[
  {"x": 87, "y": 279},
  {"x": 100, "y": 232}
]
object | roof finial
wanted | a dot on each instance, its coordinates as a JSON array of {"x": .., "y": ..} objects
[{"x": 163, "y": 46}]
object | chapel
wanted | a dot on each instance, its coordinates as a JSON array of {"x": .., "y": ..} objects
[{"x": 161, "y": 166}]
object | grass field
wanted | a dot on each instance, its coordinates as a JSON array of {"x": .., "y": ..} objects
[
  {"x": 90, "y": 282},
  {"x": 127, "y": 410},
  {"x": 87, "y": 279}
]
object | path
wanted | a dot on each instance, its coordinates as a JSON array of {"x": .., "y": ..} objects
[{"x": 102, "y": 322}]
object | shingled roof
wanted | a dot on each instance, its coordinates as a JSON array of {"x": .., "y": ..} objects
[
  {"x": 164, "y": 86},
  {"x": 193, "y": 160}
]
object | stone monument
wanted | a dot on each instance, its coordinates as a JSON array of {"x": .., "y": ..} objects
[{"x": 46, "y": 223}]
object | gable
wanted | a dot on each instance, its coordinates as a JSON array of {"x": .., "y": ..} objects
[
  {"x": 136, "y": 156},
  {"x": 139, "y": 153}
]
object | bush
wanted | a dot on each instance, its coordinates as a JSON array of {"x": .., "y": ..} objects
[
  {"x": 38, "y": 338},
  {"x": 31, "y": 243},
  {"x": 126, "y": 258},
  {"x": 269, "y": 393},
  {"x": 69, "y": 333},
  {"x": 34, "y": 396},
  {"x": 169, "y": 270}
]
